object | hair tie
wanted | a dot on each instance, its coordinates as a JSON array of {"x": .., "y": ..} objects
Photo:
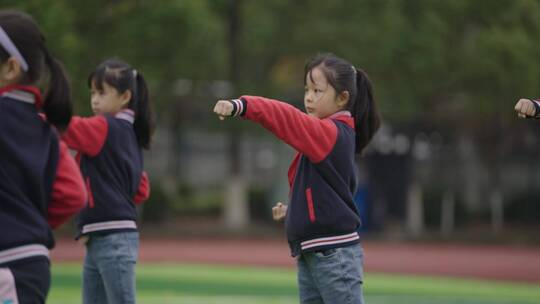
[{"x": 12, "y": 50}]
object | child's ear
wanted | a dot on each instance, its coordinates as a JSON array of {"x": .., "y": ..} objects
[
  {"x": 343, "y": 99},
  {"x": 125, "y": 97},
  {"x": 12, "y": 71}
]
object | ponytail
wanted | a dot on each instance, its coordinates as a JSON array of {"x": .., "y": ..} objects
[
  {"x": 144, "y": 120},
  {"x": 364, "y": 110},
  {"x": 57, "y": 105}
]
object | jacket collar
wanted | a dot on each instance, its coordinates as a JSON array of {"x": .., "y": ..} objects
[
  {"x": 344, "y": 116},
  {"x": 28, "y": 94},
  {"x": 126, "y": 114}
]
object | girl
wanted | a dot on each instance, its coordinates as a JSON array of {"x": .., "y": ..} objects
[
  {"x": 322, "y": 220},
  {"x": 111, "y": 161},
  {"x": 40, "y": 184}
]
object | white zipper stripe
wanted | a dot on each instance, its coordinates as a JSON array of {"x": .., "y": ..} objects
[
  {"x": 22, "y": 252},
  {"x": 330, "y": 243},
  {"x": 21, "y": 96},
  {"x": 109, "y": 226},
  {"x": 240, "y": 106},
  {"x": 329, "y": 240}
]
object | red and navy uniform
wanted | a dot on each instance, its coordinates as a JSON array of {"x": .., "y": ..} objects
[
  {"x": 111, "y": 162},
  {"x": 321, "y": 213},
  {"x": 40, "y": 188}
]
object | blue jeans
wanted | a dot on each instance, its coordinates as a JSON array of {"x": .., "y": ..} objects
[
  {"x": 331, "y": 276},
  {"x": 109, "y": 268}
]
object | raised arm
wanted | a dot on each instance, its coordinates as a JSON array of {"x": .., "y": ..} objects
[
  {"x": 309, "y": 135},
  {"x": 86, "y": 135}
]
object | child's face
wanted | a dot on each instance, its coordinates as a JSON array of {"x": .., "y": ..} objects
[
  {"x": 108, "y": 100},
  {"x": 320, "y": 98}
]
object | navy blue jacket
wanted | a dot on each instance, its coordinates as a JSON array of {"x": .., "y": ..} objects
[
  {"x": 40, "y": 184},
  {"x": 321, "y": 212},
  {"x": 111, "y": 163}
]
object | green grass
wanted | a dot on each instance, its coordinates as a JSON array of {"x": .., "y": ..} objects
[{"x": 198, "y": 284}]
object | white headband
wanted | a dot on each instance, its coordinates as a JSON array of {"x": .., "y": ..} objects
[{"x": 12, "y": 50}]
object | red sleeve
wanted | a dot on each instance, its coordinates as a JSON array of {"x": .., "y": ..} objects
[
  {"x": 86, "y": 135},
  {"x": 68, "y": 194},
  {"x": 143, "y": 193},
  {"x": 311, "y": 136}
]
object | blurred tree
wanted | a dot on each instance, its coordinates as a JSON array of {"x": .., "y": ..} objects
[
  {"x": 425, "y": 56},
  {"x": 455, "y": 65}
]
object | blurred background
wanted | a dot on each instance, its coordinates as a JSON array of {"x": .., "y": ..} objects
[
  {"x": 451, "y": 156},
  {"x": 452, "y": 162}
]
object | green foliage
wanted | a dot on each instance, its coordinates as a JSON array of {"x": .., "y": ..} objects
[
  {"x": 165, "y": 41},
  {"x": 438, "y": 61}
]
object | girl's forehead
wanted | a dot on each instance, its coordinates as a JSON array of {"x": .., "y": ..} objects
[
  {"x": 100, "y": 86},
  {"x": 316, "y": 77}
]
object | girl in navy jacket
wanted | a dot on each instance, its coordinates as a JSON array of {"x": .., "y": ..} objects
[
  {"x": 40, "y": 184},
  {"x": 321, "y": 220},
  {"x": 111, "y": 160}
]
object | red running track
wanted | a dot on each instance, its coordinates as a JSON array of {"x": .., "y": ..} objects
[{"x": 484, "y": 262}]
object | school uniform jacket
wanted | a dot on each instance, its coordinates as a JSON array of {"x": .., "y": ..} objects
[
  {"x": 321, "y": 212},
  {"x": 111, "y": 162},
  {"x": 40, "y": 183}
]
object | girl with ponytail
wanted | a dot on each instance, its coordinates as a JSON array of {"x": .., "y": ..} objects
[
  {"x": 109, "y": 147},
  {"x": 321, "y": 220},
  {"x": 40, "y": 184}
]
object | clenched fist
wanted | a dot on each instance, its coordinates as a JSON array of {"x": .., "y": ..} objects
[
  {"x": 279, "y": 211},
  {"x": 224, "y": 108},
  {"x": 525, "y": 108}
]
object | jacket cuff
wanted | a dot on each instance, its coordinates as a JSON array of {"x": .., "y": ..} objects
[
  {"x": 536, "y": 104},
  {"x": 239, "y": 107}
]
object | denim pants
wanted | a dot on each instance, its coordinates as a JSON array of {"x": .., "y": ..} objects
[
  {"x": 109, "y": 268},
  {"x": 332, "y": 276}
]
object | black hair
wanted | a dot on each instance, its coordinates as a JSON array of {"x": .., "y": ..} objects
[
  {"x": 343, "y": 76},
  {"x": 42, "y": 67},
  {"x": 123, "y": 77}
]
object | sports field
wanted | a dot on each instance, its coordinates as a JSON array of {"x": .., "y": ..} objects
[{"x": 207, "y": 284}]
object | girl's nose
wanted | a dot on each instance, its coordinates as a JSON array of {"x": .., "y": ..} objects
[{"x": 308, "y": 97}]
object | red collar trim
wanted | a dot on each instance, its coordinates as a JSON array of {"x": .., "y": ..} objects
[
  {"x": 30, "y": 89},
  {"x": 344, "y": 116}
]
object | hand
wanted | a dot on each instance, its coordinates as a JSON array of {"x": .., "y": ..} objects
[
  {"x": 223, "y": 108},
  {"x": 83, "y": 239},
  {"x": 525, "y": 108},
  {"x": 279, "y": 211}
]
